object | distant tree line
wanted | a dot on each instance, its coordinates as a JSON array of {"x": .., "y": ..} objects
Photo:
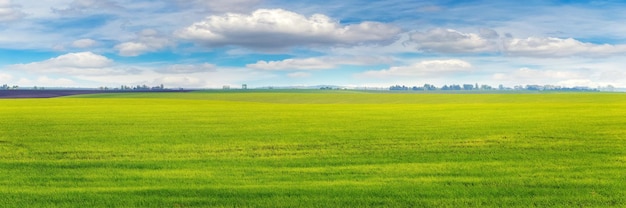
[
  {"x": 121, "y": 88},
  {"x": 430, "y": 87},
  {"x": 7, "y": 87},
  {"x": 15, "y": 87},
  {"x": 332, "y": 88},
  {"x": 135, "y": 88}
]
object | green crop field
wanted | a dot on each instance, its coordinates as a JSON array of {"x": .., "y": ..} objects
[{"x": 314, "y": 149}]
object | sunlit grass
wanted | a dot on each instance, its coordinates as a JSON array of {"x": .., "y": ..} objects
[{"x": 292, "y": 149}]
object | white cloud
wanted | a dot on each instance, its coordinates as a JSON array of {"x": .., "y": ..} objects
[
  {"x": 317, "y": 63},
  {"x": 132, "y": 48},
  {"x": 401, "y": 45},
  {"x": 82, "y": 6},
  {"x": 580, "y": 83},
  {"x": 292, "y": 64},
  {"x": 5, "y": 79},
  {"x": 47, "y": 81},
  {"x": 78, "y": 60},
  {"x": 557, "y": 47},
  {"x": 299, "y": 75},
  {"x": 487, "y": 40},
  {"x": 276, "y": 28},
  {"x": 613, "y": 74},
  {"x": 580, "y": 21},
  {"x": 84, "y": 43},
  {"x": 55, "y": 82},
  {"x": 83, "y": 63},
  {"x": 221, "y": 6},
  {"x": 530, "y": 74},
  {"x": 431, "y": 68},
  {"x": 187, "y": 68},
  {"x": 452, "y": 41},
  {"x": 449, "y": 41},
  {"x": 155, "y": 75},
  {"x": 9, "y": 11},
  {"x": 148, "y": 40},
  {"x": 179, "y": 81},
  {"x": 535, "y": 76}
]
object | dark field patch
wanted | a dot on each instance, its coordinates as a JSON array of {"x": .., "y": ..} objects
[{"x": 60, "y": 93}]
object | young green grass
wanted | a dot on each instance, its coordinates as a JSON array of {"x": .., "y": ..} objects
[{"x": 314, "y": 149}]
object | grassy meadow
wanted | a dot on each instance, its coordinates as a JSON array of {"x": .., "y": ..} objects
[{"x": 314, "y": 149}]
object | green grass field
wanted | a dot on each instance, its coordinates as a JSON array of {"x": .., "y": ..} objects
[{"x": 314, "y": 149}]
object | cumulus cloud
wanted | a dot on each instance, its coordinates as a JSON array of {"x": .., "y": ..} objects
[
  {"x": 5, "y": 78},
  {"x": 83, "y": 63},
  {"x": 558, "y": 47},
  {"x": 147, "y": 40},
  {"x": 84, "y": 43},
  {"x": 489, "y": 41},
  {"x": 276, "y": 28},
  {"x": 452, "y": 41},
  {"x": 82, "y": 6},
  {"x": 78, "y": 60},
  {"x": 317, "y": 63},
  {"x": 132, "y": 48},
  {"x": 9, "y": 11},
  {"x": 187, "y": 68},
  {"x": 424, "y": 68}
]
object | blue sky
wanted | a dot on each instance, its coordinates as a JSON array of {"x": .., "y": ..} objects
[{"x": 209, "y": 44}]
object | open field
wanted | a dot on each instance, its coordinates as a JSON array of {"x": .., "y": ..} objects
[{"x": 314, "y": 149}]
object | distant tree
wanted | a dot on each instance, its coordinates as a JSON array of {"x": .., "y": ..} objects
[
  {"x": 398, "y": 87},
  {"x": 533, "y": 87},
  {"x": 429, "y": 87}
]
